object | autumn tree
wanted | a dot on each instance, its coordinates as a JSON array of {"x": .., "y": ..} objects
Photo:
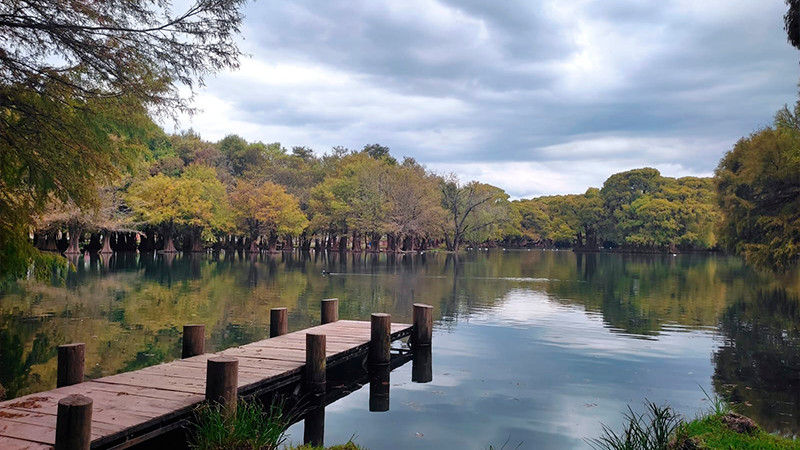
[
  {"x": 266, "y": 209},
  {"x": 77, "y": 81},
  {"x": 195, "y": 203},
  {"x": 758, "y": 189},
  {"x": 413, "y": 207}
]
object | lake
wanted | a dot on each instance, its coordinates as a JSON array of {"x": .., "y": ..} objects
[{"x": 533, "y": 347}]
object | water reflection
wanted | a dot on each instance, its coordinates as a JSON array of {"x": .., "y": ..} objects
[
  {"x": 379, "y": 388},
  {"x": 620, "y": 309},
  {"x": 758, "y": 364}
]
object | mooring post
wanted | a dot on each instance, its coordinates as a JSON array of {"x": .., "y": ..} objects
[
  {"x": 315, "y": 363},
  {"x": 379, "y": 388},
  {"x": 380, "y": 339},
  {"x": 74, "y": 423},
  {"x": 330, "y": 310},
  {"x": 70, "y": 364},
  {"x": 423, "y": 325},
  {"x": 278, "y": 322},
  {"x": 222, "y": 381},
  {"x": 194, "y": 340}
]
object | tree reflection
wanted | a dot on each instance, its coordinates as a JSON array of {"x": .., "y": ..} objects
[{"x": 758, "y": 365}]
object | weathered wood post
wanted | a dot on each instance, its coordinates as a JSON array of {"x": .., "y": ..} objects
[
  {"x": 380, "y": 339},
  {"x": 222, "y": 381},
  {"x": 316, "y": 377},
  {"x": 422, "y": 365},
  {"x": 330, "y": 310},
  {"x": 278, "y": 322},
  {"x": 74, "y": 423},
  {"x": 70, "y": 364},
  {"x": 194, "y": 340},
  {"x": 423, "y": 325},
  {"x": 379, "y": 388}
]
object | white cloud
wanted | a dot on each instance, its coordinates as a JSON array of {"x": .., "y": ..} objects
[{"x": 535, "y": 97}]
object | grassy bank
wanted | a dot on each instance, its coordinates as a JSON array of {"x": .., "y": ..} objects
[
  {"x": 661, "y": 428},
  {"x": 719, "y": 431}
]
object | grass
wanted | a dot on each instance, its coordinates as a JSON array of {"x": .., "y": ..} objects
[
  {"x": 651, "y": 430},
  {"x": 349, "y": 445},
  {"x": 252, "y": 427},
  {"x": 714, "y": 434},
  {"x": 661, "y": 428}
]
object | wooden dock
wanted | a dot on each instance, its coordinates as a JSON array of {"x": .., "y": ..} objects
[{"x": 130, "y": 408}]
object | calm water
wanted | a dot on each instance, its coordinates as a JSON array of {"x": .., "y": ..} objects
[{"x": 530, "y": 347}]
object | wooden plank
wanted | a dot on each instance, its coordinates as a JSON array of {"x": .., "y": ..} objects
[
  {"x": 110, "y": 407},
  {"x": 7, "y": 443},
  {"x": 197, "y": 371},
  {"x": 155, "y": 382},
  {"x": 20, "y": 418},
  {"x": 254, "y": 363}
]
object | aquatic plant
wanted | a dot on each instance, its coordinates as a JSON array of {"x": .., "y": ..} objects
[{"x": 252, "y": 427}]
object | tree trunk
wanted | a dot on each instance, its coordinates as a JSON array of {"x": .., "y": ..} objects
[
  {"x": 316, "y": 245},
  {"x": 343, "y": 244},
  {"x": 288, "y": 243},
  {"x": 272, "y": 242},
  {"x": 169, "y": 245},
  {"x": 106, "y": 244},
  {"x": 356, "y": 247},
  {"x": 74, "y": 240},
  {"x": 253, "y": 245}
]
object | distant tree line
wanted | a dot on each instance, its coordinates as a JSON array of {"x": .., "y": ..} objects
[
  {"x": 637, "y": 210},
  {"x": 191, "y": 195},
  {"x": 185, "y": 193}
]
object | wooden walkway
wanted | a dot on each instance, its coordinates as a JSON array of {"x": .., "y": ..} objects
[{"x": 132, "y": 407}]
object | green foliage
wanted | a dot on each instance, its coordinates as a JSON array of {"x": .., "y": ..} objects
[
  {"x": 266, "y": 209},
  {"x": 196, "y": 201},
  {"x": 714, "y": 434},
  {"x": 475, "y": 212},
  {"x": 651, "y": 430},
  {"x": 758, "y": 188},
  {"x": 250, "y": 428},
  {"x": 638, "y": 208},
  {"x": 78, "y": 83}
]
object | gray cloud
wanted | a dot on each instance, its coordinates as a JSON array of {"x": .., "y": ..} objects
[{"x": 589, "y": 87}]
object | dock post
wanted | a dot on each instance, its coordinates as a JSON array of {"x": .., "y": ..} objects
[
  {"x": 70, "y": 364},
  {"x": 222, "y": 381},
  {"x": 278, "y": 322},
  {"x": 380, "y": 339},
  {"x": 330, "y": 310},
  {"x": 423, "y": 325},
  {"x": 194, "y": 340},
  {"x": 74, "y": 423},
  {"x": 379, "y": 388},
  {"x": 315, "y": 363}
]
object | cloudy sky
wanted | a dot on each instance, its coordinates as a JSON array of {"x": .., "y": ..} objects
[{"x": 535, "y": 96}]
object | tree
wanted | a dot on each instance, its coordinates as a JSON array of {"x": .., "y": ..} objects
[
  {"x": 413, "y": 206},
  {"x": 474, "y": 210},
  {"x": 266, "y": 209},
  {"x": 196, "y": 203},
  {"x": 791, "y": 23},
  {"x": 758, "y": 189},
  {"x": 77, "y": 82}
]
